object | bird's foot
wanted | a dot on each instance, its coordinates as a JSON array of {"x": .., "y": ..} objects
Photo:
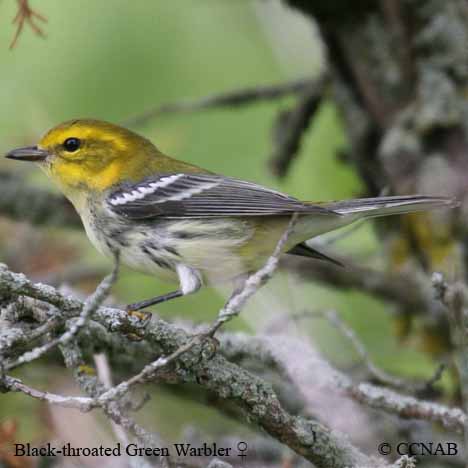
[
  {"x": 143, "y": 317},
  {"x": 210, "y": 346}
]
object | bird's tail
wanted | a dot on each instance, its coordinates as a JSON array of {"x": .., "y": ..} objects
[
  {"x": 383, "y": 206},
  {"x": 349, "y": 211}
]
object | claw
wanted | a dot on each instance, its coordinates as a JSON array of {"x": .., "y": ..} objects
[
  {"x": 134, "y": 337},
  {"x": 143, "y": 317},
  {"x": 210, "y": 346}
]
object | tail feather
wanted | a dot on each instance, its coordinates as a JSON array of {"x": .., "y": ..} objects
[{"x": 383, "y": 206}]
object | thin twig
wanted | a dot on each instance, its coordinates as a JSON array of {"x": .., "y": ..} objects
[
  {"x": 378, "y": 374},
  {"x": 104, "y": 374},
  {"x": 26, "y": 15},
  {"x": 91, "y": 305},
  {"x": 91, "y": 385},
  {"x": 253, "y": 282},
  {"x": 407, "y": 406},
  {"x": 434, "y": 379},
  {"x": 410, "y": 291},
  {"x": 229, "y": 99},
  {"x": 26, "y": 338},
  {"x": 290, "y": 126},
  {"x": 84, "y": 404}
]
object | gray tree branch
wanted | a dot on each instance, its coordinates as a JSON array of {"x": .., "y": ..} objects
[
  {"x": 36, "y": 206},
  {"x": 228, "y": 381},
  {"x": 225, "y": 379}
]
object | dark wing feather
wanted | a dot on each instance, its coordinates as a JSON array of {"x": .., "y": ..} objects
[
  {"x": 202, "y": 196},
  {"x": 303, "y": 250}
]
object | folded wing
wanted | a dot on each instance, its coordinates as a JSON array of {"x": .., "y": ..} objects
[{"x": 203, "y": 196}]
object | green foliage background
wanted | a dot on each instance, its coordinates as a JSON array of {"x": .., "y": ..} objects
[{"x": 111, "y": 60}]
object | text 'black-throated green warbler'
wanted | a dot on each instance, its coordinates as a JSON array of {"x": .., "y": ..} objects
[{"x": 178, "y": 221}]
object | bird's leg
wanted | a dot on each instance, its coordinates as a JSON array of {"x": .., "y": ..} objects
[
  {"x": 190, "y": 282},
  {"x": 153, "y": 301}
]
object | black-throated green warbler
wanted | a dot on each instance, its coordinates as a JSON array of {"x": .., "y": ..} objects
[{"x": 175, "y": 220}]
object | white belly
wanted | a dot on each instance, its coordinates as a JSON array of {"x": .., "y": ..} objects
[{"x": 157, "y": 248}]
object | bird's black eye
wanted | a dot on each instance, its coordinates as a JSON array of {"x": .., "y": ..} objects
[{"x": 71, "y": 144}]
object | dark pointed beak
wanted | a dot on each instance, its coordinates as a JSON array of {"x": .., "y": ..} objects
[{"x": 27, "y": 153}]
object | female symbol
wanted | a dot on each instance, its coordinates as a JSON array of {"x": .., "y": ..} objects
[{"x": 242, "y": 447}]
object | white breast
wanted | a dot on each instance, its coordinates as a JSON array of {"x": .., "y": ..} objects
[{"x": 210, "y": 247}]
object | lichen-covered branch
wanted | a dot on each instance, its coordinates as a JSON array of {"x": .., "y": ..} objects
[
  {"x": 90, "y": 306},
  {"x": 307, "y": 437},
  {"x": 454, "y": 298},
  {"x": 411, "y": 292},
  {"x": 271, "y": 351},
  {"x": 407, "y": 407},
  {"x": 226, "y": 380},
  {"x": 36, "y": 206},
  {"x": 91, "y": 385}
]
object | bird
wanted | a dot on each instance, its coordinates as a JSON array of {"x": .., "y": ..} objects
[{"x": 179, "y": 222}]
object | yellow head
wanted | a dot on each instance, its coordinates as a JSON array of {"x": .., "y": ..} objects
[{"x": 89, "y": 156}]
